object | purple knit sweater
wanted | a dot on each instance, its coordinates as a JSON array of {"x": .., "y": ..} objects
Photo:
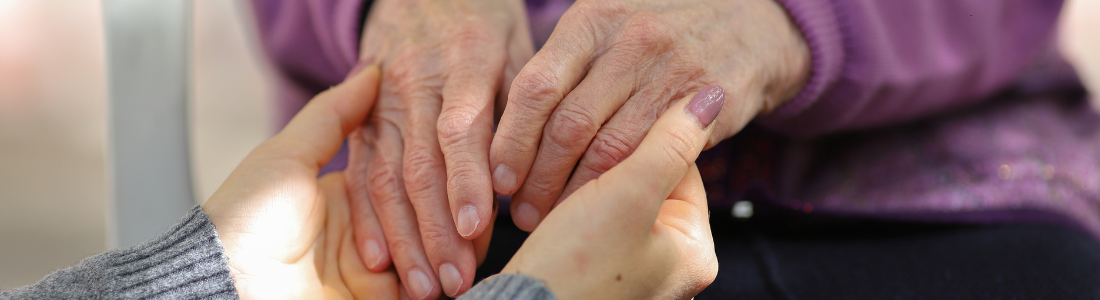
[{"x": 916, "y": 110}]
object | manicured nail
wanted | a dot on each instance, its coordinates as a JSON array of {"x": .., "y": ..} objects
[
  {"x": 362, "y": 64},
  {"x": 706, "y": 104},
  {"x": 526, "y": 217},
  {"x": 467, "y": 220},
  {"x": 450, "y": 279},
  {"x": 504, "y": 179},
  {"x": 419, "y": 286},
  {"x": 374, "y": 254}
]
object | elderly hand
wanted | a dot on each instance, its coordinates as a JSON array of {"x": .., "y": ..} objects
[
  {"x": 585, "y": 101},
  {"x": 639, "y": 231},
  {"x": 288, "y": 235},
  {"x": 421, "y": 161}
]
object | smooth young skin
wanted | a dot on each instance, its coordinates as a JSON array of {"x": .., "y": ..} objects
[
  {"x": 421, "y": 161},
  {"x": 584, "y": 102},
  {"x": 287, "y": 234},
  {"x": 639, "y": 231}
]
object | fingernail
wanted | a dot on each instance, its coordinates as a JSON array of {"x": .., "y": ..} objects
[
  {"x": 362, "y": 64},
  {"x": 419, "y": 286},
  {"x": 526, "y": 217},
  {"x": 504, "y": 179},
  {"x": 467, "y": 220},
  {"x": 374, "y": 254},
  {"x": 450, "y": 279},
  {"x": 706, "y": 104}
]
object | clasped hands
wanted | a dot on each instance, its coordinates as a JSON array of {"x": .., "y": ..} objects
[{"x": 425, "y": 163}]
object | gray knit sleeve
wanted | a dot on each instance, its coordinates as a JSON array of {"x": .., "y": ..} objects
[
  {"x": 187, "y": 262},
  {"x": 509, "y": 286}
]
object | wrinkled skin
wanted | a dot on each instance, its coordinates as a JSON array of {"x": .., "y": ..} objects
[
  {"x": 590, "y": 247},
  {"x": 288, "y": 235},
  {"x": 585, "y": 101},
  {"x": 575, "y": 110},
  {"x": 422, "y": 156}
]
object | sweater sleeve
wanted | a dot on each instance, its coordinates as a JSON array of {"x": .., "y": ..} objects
[
  {"x": 509, "y": 286},
  {"x": 187, "y": 262},
  {"x": 877, "y": 62}
]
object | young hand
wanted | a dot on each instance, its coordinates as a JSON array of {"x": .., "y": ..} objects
[
  {"x": 288, "y": 235},
  {"x": 640, "y": 230}
]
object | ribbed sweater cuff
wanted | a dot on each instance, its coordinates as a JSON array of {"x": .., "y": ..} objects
[
  {"x": 187, "y": 262},
  {"x": 509, "y": 286},
  {"x": 817, "y": 21}
]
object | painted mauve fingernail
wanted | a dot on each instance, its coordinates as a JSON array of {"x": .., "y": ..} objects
[
  {"x": 450, "y": 279},
  {"x": 706, "y": 104},
  {"x": 419, "y": 285},
  {"x": 374, "y": 254},
  {"x": 467, "y": 220},
  {"x": 504, "y": 179}
]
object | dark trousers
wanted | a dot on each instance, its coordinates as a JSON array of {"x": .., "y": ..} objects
[{"x": 785, "y": 256}]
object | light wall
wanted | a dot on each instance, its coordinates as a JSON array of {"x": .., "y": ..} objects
[{"x": 53, "y": 186}]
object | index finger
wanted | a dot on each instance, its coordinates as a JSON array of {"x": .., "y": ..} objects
[{"x": 647, "y": 177}]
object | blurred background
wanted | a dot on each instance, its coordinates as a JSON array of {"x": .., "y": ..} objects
[{"x": 53, "y": 97}]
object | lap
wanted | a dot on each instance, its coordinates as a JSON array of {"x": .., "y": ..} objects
[{"x": 829, "y": 258}]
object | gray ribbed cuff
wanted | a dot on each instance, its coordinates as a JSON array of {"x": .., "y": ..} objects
[
  {"x": 187, "y": 262},
  {"x": 509, "y": 286}
]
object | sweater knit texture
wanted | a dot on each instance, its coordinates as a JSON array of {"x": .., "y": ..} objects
[{"x": 186, "y": 262}]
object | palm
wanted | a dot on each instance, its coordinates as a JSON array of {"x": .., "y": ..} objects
[{"x": 317, "y": 261}]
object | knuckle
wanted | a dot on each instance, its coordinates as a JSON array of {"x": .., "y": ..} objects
[
  {"x": 534, "y": 86},
  {"x": 455, "y": 123},
  {"x": 568, "y": 126},
  {"x": 610, "y": 148},
  {"x": 402, "y": 246},
  {"x": 516, "y": 143},
  {"x": 409, "y": 75},
  {"x": 384, "y": 185},
  {"x": 420, "y": 169},
  {"x": 418, "y": 165},
  {"x": 680, "y": 145},
  {"x": 646, "y": 31},
  {"x": 432, "y": 233},
  {"x": 462, "y": 174}
]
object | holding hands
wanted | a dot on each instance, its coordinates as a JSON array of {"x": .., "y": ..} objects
[
  {"x": 641, "y": 230},
  {"x": 585, "y": 101},
  {"x": 288, "y": 234},
  {"x": 423, "y": 168},
  {"x": 420, "y": 161}
]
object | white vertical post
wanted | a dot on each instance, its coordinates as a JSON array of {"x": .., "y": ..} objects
[{"x": 148, "y": 162}]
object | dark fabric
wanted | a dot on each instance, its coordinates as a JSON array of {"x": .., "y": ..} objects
[{"x": 789, "y": 255}]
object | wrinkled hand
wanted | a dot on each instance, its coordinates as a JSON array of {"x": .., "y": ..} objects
[
  {"x": 639, "y": 231},
  {"x": 421, "y": 161},
  {"x": 288, "y": 235},
  {"x": 585, "y": 101}
]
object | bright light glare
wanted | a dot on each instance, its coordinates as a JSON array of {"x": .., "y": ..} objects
[{"x": 5, "y": 6}]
